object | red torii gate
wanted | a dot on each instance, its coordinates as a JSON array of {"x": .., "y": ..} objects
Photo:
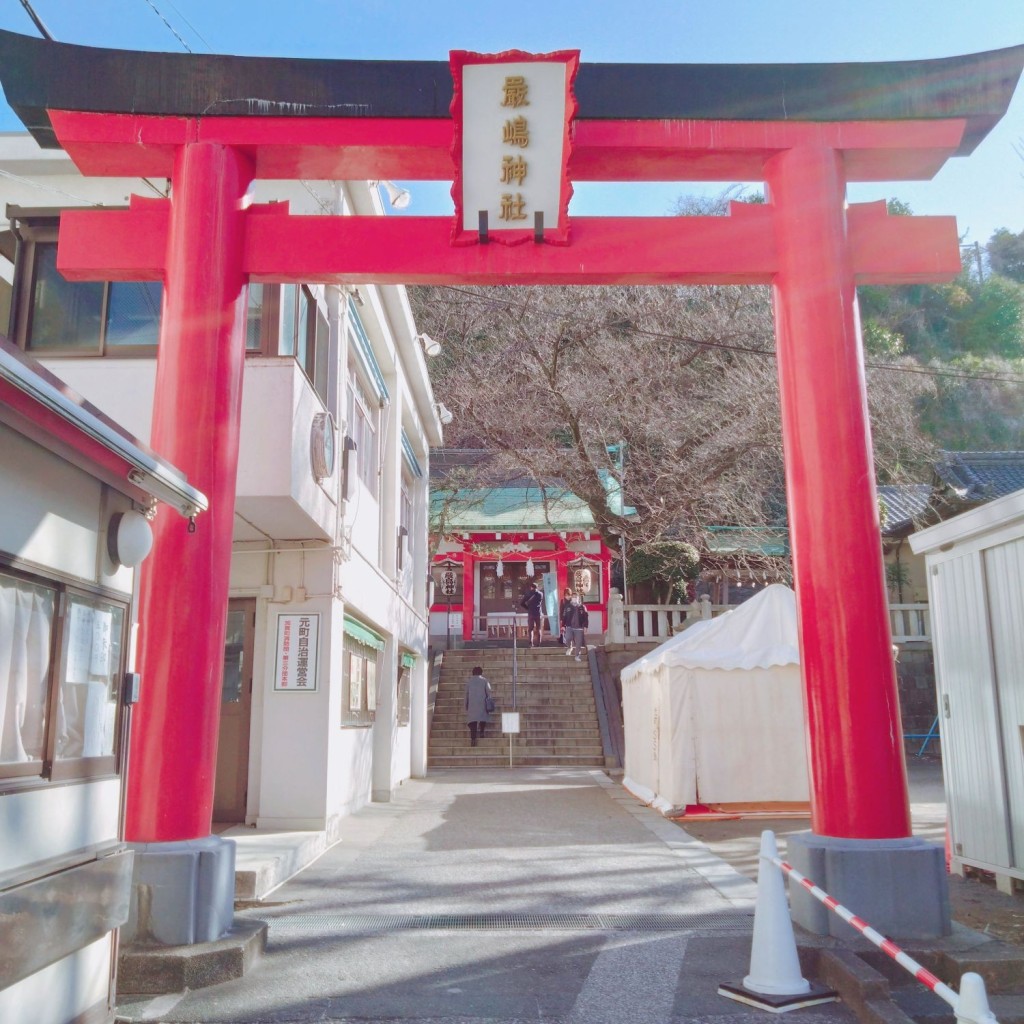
[
  {"x": 803, "y": 242},
  {"x": 206, "y": 244}
]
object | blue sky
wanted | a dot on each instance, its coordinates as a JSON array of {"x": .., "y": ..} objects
[{"x": 985, "y": 191}]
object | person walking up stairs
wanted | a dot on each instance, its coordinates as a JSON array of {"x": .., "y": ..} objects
[{"x": 479, "y": 704}]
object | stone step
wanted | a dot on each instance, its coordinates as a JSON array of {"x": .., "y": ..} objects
[
  {"x": 522, "y": 696},
  {"x": 546, "y": 679},
  {"x": 526, "y": 724},
  {"x": 577, "y": 711},
  {"x": 519, "y": 761},
  {"x": 533, "y": 712},
  {"x": 450, "y": 727},
  {"x": 570, "y": 744},
  {"x": 572, "y": 722}
]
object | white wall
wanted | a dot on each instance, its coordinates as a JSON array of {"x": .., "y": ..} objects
[
  {"x": 53, "y": 821},
  {"x": 62, "y": 992}
]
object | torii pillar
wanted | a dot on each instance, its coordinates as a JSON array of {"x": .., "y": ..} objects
[
  {"x": 860, "y": 844},
  {"x": 189, "y": 873}
]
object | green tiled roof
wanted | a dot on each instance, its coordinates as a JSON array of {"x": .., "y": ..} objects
[
  {"x": 511, "y": 508},
  {"x": 755, "y": 540}
]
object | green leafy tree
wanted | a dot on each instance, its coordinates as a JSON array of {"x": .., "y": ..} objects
[
  {"x": 992, "y": 323},
  {"x": 1006, "y": 254},
  {"x": 668, "y": 565}
]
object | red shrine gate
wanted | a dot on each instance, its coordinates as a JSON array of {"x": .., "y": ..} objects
[{"x": 806, "y": 131}]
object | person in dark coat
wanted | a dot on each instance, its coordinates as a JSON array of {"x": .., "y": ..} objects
[
  {"x": 533, "y": 602},
  {"x": 478, "y": 689},
  {"x": 576, "y": 621}
]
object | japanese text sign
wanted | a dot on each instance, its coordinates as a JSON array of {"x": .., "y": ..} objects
[
  {"x": 297, "y": 647},
  {"x": 512, "y": 114}
]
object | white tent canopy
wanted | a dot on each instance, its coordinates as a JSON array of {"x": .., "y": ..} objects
[{"x": 715, "y": 715}]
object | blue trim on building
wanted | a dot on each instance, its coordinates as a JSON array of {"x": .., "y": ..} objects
[
  {"x": 410, "y": 458},
  {"x": 365, "y": 352}
]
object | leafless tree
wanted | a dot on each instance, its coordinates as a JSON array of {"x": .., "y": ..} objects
[{"x": 558, "y": 382}]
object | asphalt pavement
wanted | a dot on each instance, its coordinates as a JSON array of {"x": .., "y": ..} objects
[{"x": 498, "y": 896}]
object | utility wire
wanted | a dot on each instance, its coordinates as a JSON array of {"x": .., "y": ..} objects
[
  {"x": 170, "y": 27},
  {"x": 189, "y": 23},
  {"x": 744, "y": 349},
  {"x": 36, "y": 20},
  {"x": 48, "y": 188}
]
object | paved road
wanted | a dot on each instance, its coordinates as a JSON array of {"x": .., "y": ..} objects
[{"x": 502, "y": 895}]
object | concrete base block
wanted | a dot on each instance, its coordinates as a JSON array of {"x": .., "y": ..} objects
[
  {"x": 182, "y": 892},
  {"x": 163, "y": 969},
  {"x": 898, "y": 886}
]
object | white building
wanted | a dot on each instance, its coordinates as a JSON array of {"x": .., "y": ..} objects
[
  {"x": 73, "y": 492},
  {"x": 331, "y": 511}
]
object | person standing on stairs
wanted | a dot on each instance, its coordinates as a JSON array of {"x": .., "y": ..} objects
[
  {"x": 563, "y": 607},
  {"x": 576, "y": 619},
  {"x": 478, "y": 693},
  {"x": 533, "y": 602}
]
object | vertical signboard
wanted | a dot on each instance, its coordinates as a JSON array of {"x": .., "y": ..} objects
[
  {"x": 512, "y": 113},
  {"x": 298, "y": 644}
]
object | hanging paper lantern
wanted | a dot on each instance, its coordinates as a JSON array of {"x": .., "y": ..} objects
[
  {"x": 500, "y": 569},
  {"x": 582, "y": 581},
  {"x": 529, "y": 567},
  {"x": 448, "y": 583}
]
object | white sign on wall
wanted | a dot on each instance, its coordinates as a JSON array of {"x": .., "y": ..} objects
[{"x": 298, "y": 645}]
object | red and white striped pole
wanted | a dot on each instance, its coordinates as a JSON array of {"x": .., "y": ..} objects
[{"x": 971, "y": 1005}]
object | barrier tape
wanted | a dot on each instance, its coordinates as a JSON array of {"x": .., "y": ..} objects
[{"x": 887, "y": 946}]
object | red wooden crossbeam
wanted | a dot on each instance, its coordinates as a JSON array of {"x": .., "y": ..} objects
[
  {"x": 119, "y": 145},
  {"x": 739, "y": 249}
]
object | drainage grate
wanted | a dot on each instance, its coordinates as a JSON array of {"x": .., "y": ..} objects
[{"x": 361, "y": 923}]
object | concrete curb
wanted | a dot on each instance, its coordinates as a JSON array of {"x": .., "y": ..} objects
[{"x": 164, "y": 969}]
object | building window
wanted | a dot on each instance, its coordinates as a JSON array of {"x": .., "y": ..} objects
[
  {"x": 362, "y": 417},
  {"x": 304, "y": 335},
  {"x": 61, "y": 662},
  {"x": 255, "y": 325},
  {"x": 359, "y": 683},
  {"x": 54, "y": 316}
]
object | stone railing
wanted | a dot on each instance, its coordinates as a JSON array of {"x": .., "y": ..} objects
[
  {"x": 652, "y": 623},
  {"x": 910, "y": 623}
]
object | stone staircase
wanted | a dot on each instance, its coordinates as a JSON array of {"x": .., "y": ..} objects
[
  {"x": 555, "y": 701},
  {"x": 879, "y": 991}
]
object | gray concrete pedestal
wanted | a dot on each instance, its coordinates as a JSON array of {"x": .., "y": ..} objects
[
  {"x": 182, "y": 893},
  {"x": 898, "y": 886}
]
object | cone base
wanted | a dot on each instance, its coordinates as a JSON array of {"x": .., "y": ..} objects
[{"x": 778, "y": 1004}]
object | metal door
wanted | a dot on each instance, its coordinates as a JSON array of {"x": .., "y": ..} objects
[
  {"x": 971, "y": 758},
  {"x": 1004, "y": 570}
]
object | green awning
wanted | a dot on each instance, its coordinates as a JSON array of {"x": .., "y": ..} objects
[
  {"x": 408, "y": 660},
  {"x": 355, "y": 629}
]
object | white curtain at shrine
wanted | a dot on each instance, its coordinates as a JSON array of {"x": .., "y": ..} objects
[{"x": 26, "y": 629}]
